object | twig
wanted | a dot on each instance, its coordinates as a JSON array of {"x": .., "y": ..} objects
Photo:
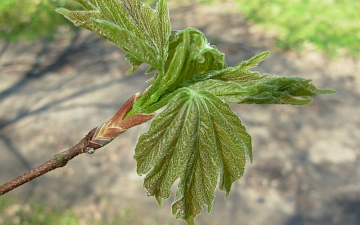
[
  {"x": 96, "y": 138},
  {"x": 59, "y": 160}
]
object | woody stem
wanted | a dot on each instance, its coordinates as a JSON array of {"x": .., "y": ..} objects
[{"x": 59, "y": 160}]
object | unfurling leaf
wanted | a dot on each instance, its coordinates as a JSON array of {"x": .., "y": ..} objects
[
  {"x": 190, "y": 54},
  {"x": 240, "y": 85},
  {"x": 198, "y": 139}
]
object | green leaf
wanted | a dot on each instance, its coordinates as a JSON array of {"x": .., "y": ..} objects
[
  {"x": 139, "y": 49},
  {"x": 137, "y": 29},
  {"x": 240, "y": 85},
  {"x": 81, "y": 18},
  {"x": 154, "y": 24},
  {"x": 189, "y": 55},
  {"x": 273, "y": 89},
  {"x": 228, "y": 91},
  {"x": 238, "y": 73},
  {"x": 87, "y": 4},
  {"x": 163, "y": 26},
  {"x": 134, "y": 62},
  {"x": 201, "y": 57},
  {"x": 198, "y": 139}
]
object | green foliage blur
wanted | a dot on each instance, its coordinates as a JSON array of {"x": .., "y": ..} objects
[
  {"x": 32, "y": 19},
  {"x": 35, "y": 19},
  {"x": 33, "y": 213},
  {"x": 329, "y": 26}
]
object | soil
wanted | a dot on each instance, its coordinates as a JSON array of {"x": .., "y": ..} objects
[{"x": 306, "y": 167}]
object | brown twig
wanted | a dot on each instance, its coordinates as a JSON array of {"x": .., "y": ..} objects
[
  {"x": 96, "y": 138},
  {"x": 59, "y": 160}
]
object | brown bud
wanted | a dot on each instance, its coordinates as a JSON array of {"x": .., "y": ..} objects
[{"x": 105, "y": 133}]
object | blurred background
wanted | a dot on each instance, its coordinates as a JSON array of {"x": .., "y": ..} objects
[{"x": 58, "y": 82}]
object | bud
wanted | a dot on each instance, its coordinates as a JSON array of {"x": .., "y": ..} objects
[{"x": 106, "y": 132}]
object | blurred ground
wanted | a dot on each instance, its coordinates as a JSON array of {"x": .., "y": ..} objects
[{"x": 306, "y": 167}]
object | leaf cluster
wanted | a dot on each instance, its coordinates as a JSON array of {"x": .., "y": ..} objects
[{"x": 197, "y": 138}]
